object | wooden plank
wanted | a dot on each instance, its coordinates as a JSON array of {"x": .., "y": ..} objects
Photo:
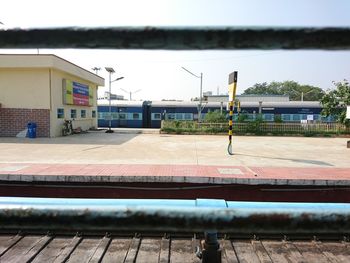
[
  {"x": 181, "y": 251},
  {"x": 68, "y": 250},
  {"x": 245, "y": 252},
  {"x": 84, "y": 250},
  {"x": 19, "y": 249},
  {"x": 228, "y": 253},
  {"x": 148, "y": 250},
  {"x": 277, "y": 251},
  {"x": 35, "y": 249},
  {"x": 117, "y": 250},
  {"x": 6, "y": 242},
  {"x": 335, "y": 251},
  {"x": 293, "y": 254},
  {"x": 261, "y": 252},
  {"x": 100, "y": 250},
  {"x": 164, "y": 252},
  {"x": 133, "y": 250},
  {"x": 52, "y": 251},
  {"x": 310, "y": 252}
]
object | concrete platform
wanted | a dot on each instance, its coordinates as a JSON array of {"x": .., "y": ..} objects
[
  {"x": 193, "y": 174},
  {"x": 133, "y": 165},
  {"x": 102, "y": 148}
]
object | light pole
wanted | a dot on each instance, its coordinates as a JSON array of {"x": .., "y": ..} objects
[
  {"x": 110, "y": 71},
  {"x": 302, "y": 94},
  {"x": 96, "y": 69},
  {"x": 130, "y": 92},
  {"x": 200, "y": 93}
]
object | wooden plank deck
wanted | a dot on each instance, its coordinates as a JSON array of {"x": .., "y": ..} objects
[{"x": 43, "y": 248}]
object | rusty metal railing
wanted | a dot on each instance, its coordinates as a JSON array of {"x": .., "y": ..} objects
[{"x": 173, "y": 38}]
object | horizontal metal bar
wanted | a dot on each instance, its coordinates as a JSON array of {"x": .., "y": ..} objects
[
  {"x": 172, "y": 38},
  {"x": 163, "y": 216}
]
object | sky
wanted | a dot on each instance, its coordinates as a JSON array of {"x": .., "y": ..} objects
[{"x": 159, "y": 74}]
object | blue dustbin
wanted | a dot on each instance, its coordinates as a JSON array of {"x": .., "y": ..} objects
[{"x": 31, "y": 129}]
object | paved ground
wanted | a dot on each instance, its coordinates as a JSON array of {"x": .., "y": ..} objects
[
  {"x": 135, "y": 157},
  {"x": 102, "y": 148}
]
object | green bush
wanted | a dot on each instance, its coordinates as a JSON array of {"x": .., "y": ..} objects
[
  {"x": 278, "y": 119},
  {"x": 242, "y": 118},
  {"x": 214, "y": 117},
  {"x": 250, "y": 128}
]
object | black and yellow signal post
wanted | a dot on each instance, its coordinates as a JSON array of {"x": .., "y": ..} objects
[{"x": 232, "y": 86}]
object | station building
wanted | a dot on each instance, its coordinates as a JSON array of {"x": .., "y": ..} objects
[{"x": 46, "y": 90}]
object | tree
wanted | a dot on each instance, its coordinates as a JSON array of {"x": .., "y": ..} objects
[
  {"x": 261, "y": 89},
  {"x": 293, "y": 89},
  {"x": 335, "y": 101},
  {"x": 215, "y": 117}
]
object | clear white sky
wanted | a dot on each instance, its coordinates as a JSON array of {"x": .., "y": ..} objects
[{"x": 159, "y": 73}]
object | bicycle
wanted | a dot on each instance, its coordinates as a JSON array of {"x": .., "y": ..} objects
[{"x": 67, "y": 128}]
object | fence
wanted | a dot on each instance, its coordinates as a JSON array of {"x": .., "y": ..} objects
[{"x": 256, "y": 127}]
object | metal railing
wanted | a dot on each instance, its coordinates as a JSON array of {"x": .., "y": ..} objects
[
  {"x": 253, "y": 127},
  {"x": 187, "y": 216},
  {"x": 176, "y": 38}
]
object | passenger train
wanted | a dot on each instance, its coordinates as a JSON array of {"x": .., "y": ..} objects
[{"x": 149, "y": 114}]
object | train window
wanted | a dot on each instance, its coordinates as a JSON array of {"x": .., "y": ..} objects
[
  {"x": 296, "y": 117},
  {"x": 251, "y": 117},
  {"x": 178, "y": 116},
  {"x": 268, "y": 117},
  {"x": 156, "y": 116},
  {"x": 188, "y": 116},
  {"x": 73, "y": 113},
  {"x": 122, "y": 116},
  {"x": 93, "y": 114},
  {"x": 135, "y": 116},
  {"x": 286, "y": 117},
  {"x": 115, "y": 116},
  {"x": 83, "y": 113},
  {"x": 60, "y": 113},
  {"x": 170, "y": 116}
]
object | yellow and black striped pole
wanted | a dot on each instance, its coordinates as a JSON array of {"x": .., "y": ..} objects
[{"x": 232, "y": 86}]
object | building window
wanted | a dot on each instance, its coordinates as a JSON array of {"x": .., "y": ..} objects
[
  {"x": 60, "y": 113},
  {"x": 93, "y": 114},
  {"x": 73, "y": 114},
  {"x": 83, "y": 113}
]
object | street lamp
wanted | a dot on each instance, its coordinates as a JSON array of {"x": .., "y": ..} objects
[
  {"x": 96, "y": 69},
  {"x": 130, "y": 92},
  {"x": 302, "y": 94},
  {"x": 200, "y": 93},
  {"x": 110, "y": 71}
]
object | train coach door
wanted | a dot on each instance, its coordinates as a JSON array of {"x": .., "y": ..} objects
[
  {"x": 146, "y": 114},
  {"x": 123, "y": 117}
]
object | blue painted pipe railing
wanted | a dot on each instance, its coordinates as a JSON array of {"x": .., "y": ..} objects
[{"x": 173, "y": 215}]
